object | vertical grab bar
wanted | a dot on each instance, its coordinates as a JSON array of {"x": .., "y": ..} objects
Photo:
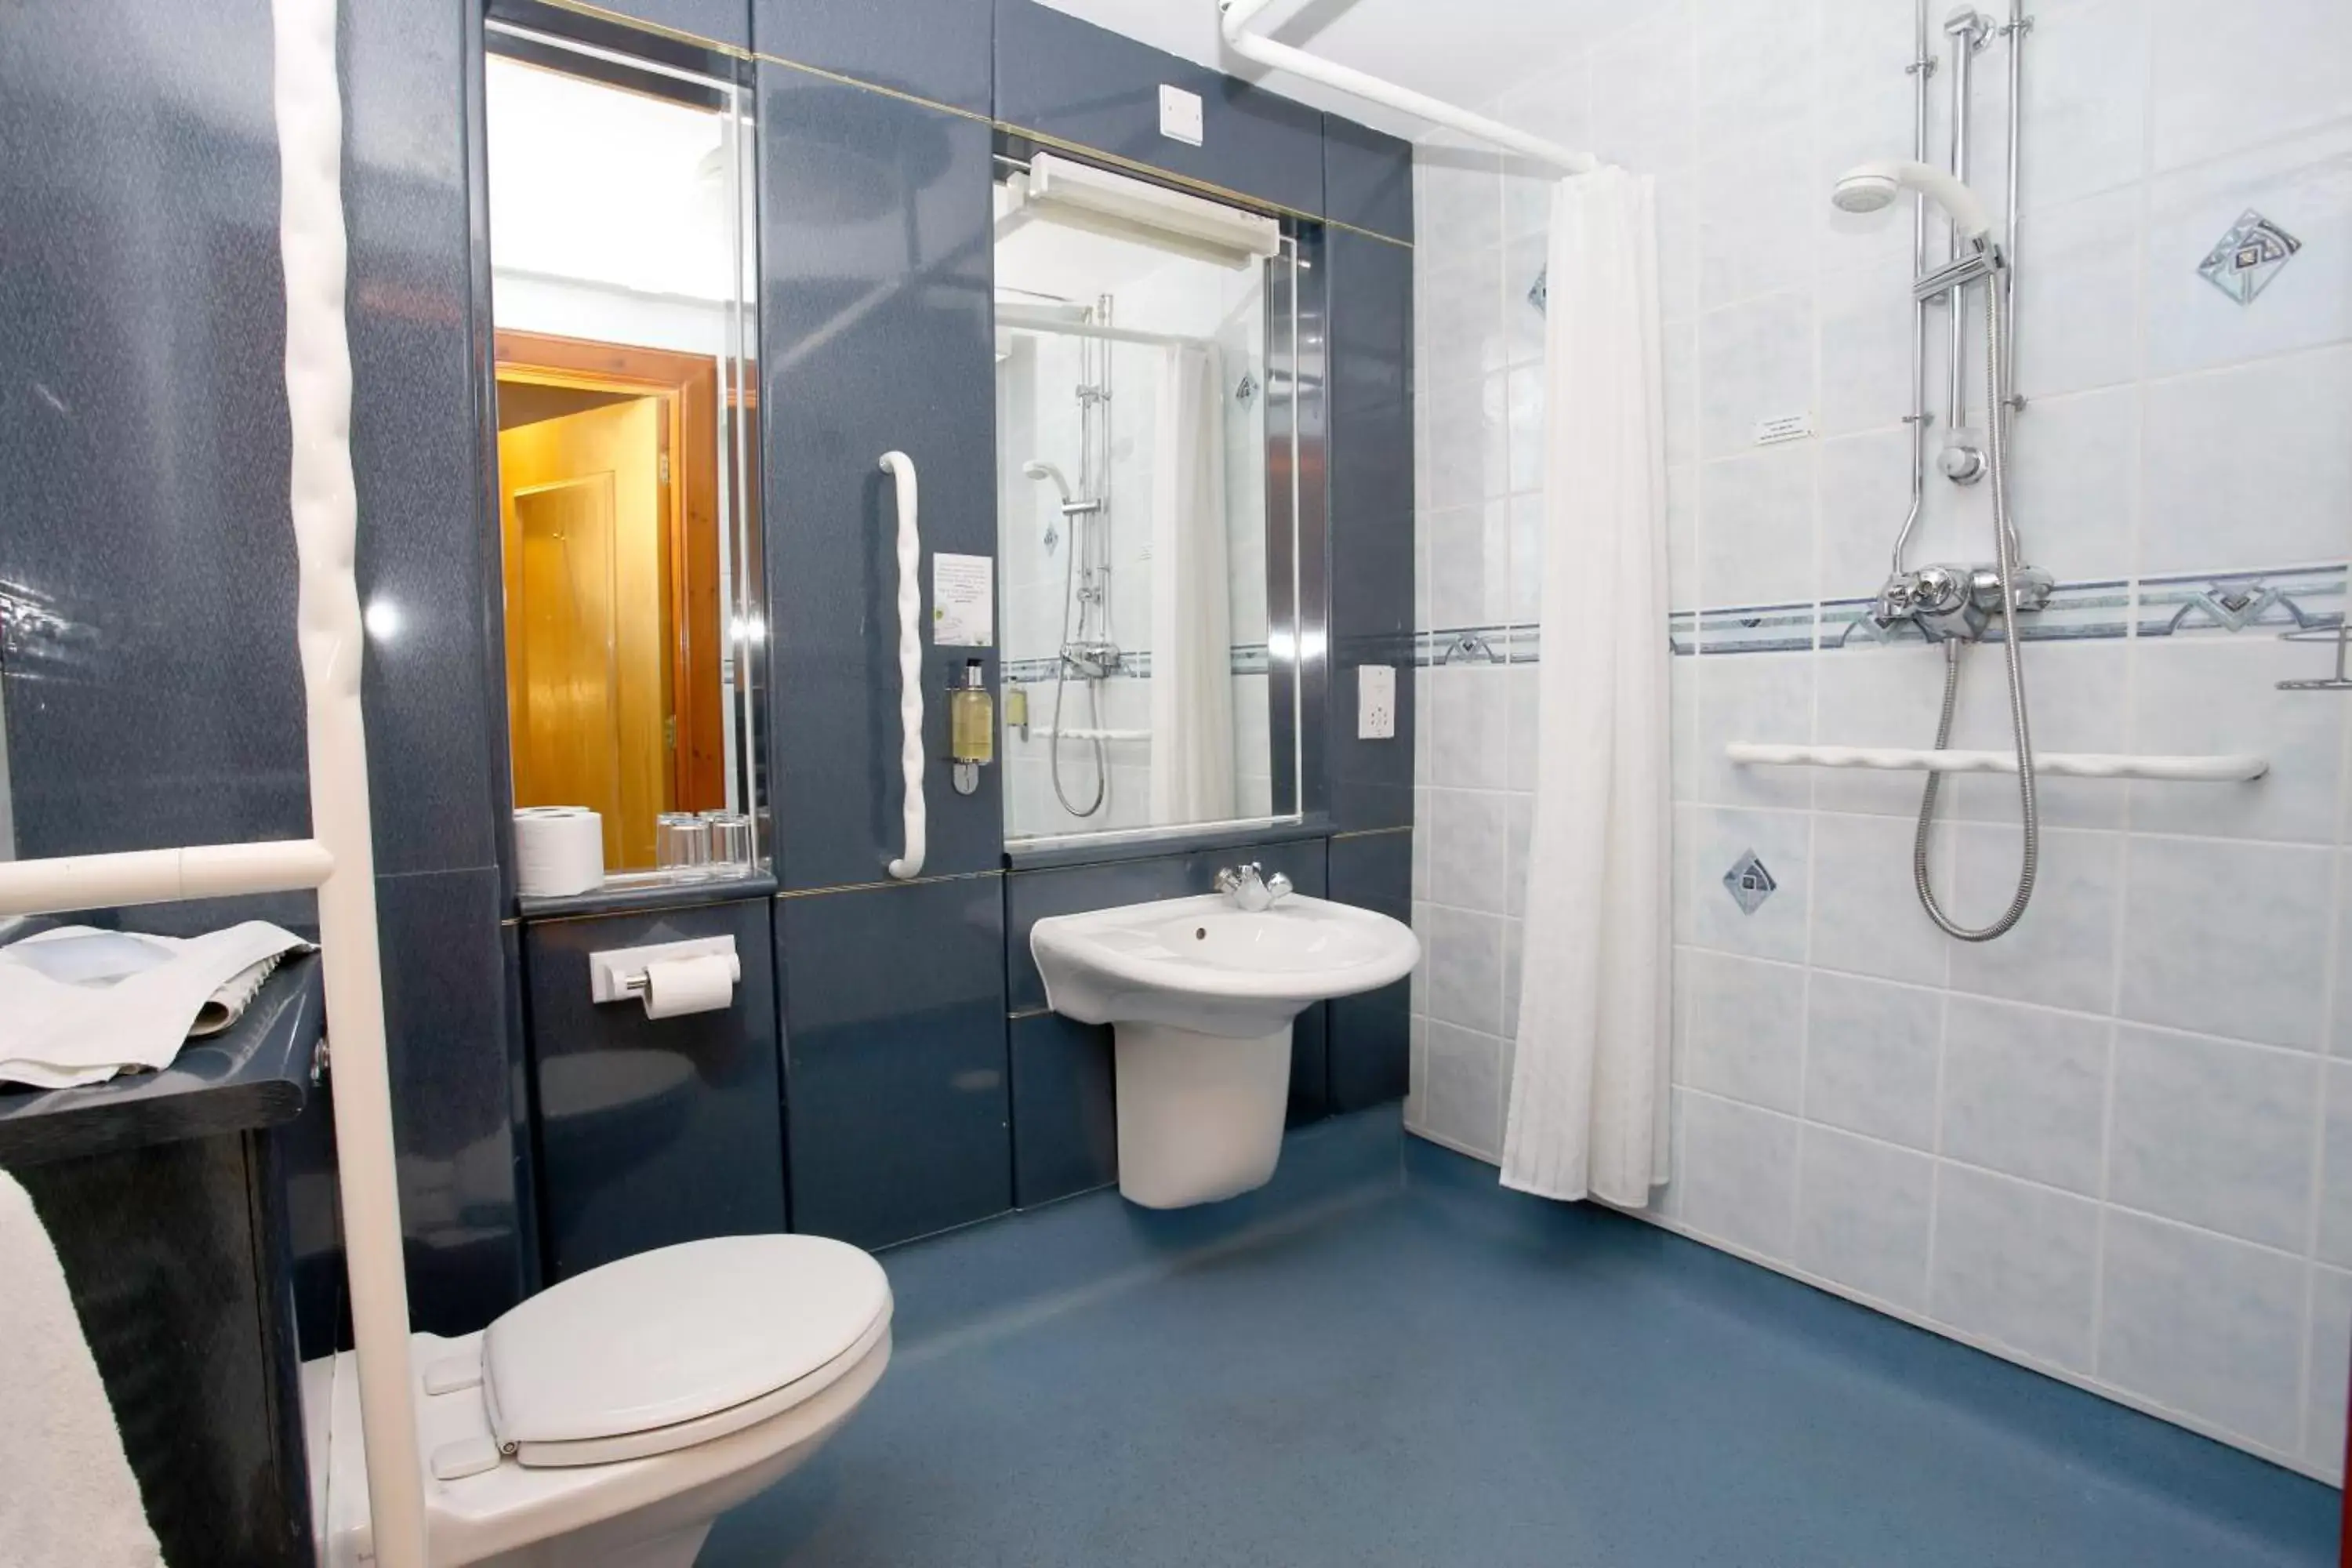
[{"x": 901, "y": 467}]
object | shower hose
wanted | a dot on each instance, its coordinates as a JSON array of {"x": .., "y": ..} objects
[{"x": 2005, "y": 548}]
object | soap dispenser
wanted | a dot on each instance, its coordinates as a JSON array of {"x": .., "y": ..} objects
[{"x": 971, "y": 726}]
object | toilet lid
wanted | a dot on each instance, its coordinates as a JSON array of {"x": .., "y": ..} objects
[{"x": 676, "y": 1335}]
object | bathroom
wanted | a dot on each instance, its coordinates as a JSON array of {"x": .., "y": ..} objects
[{"x": 839, "y": 371}]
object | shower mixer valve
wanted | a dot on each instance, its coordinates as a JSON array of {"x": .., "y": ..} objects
[{"x": 1952, "y": 602}]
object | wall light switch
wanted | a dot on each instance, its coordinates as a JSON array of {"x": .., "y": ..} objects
[
  {"x": 1376, "y": 702},
  {"x": 1180, "y": 115}
]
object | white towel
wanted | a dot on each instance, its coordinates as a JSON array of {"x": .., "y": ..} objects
[
  {"x": 67, "y": 1493},
  {"x": 78, "y": 1006}
]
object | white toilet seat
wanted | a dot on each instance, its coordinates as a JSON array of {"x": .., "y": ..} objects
[{"x": 558, "y": 1501}]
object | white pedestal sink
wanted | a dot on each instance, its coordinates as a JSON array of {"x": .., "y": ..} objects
[{"x": 1199, "y": 996}]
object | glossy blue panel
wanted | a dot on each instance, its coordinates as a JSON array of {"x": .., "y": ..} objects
[
  {"x": 425, "y": 549},
  {"x": 1371, "y": 520},
  {"x": 896, "y": 1113},
  {"x": 875, "y": 255},
  {"x": 146, "y": 567},
  {"x": 717, "y": 21},
  {"x": 1030, "y": 896},
  {"x": 1065, "y": 1121},
  {"x": 935, "y": 49},
  {"x": 444, "y": 1012},
  {"x": 1367, "y": 178},
  {"x": 1371, "y": 1046},
  {"x": 1071, "y": 79},
  {"x": 652, "y": 1131}
]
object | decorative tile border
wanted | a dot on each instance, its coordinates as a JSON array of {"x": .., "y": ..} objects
[
  {"x": 1248, "y": 659},
  {"x": 2206, "y": 602}
]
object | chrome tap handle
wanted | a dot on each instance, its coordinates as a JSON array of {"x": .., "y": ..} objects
[{"x": 1247, "y": 884}]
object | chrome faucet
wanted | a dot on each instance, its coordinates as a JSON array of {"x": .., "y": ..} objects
[{"x": 1250, "y": 888}]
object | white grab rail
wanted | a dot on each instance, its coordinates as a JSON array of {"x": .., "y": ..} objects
[
  {"x": 2224, "y": 769},
  {"x": 1234, "y": 17},
  {"x": 901, "y": 467},
  {"x": 161, "y": 875}
]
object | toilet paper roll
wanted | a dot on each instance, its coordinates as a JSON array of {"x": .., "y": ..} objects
[
  {"x": 559, "y": 850},
  {"x": 676, "y": 985}
]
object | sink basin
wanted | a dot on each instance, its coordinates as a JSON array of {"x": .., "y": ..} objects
[
  {"x": 1200, "y": 994},
  {"x": 1204, "y": 964}
]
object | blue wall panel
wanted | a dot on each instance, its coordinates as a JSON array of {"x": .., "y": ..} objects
[
  {"x": 1367, "y": 178},
  {"x": 1071, "y": 79},
  {"x": 1371, "y": 520},
  {"x": 1371, "y": 1041},
  {"x": 896, "y": 1117},
  {"x": 934, "y": 50},
  {"x": 652, "y": 1130},
  {"x": 1064, "y": 1122},
  {"x": 716, "y": 21},
  {"x": 876, "y": 257}
]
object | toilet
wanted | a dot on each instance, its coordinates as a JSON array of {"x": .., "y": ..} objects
[{"x": 606, "y": 1422}]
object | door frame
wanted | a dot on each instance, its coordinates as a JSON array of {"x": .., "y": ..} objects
[{"x": 690, "y": 578}]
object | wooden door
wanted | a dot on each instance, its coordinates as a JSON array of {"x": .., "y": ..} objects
[{"x": 588, "y": 676}]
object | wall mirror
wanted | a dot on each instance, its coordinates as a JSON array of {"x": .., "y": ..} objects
[
  {"x": 1146, "y": 541},
  {"x": 620, "y": 195}
]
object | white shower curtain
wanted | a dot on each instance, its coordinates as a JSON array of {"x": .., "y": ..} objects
[
  {"x": 1191, "y": 611},
  {"x": 1589, "y": 1083}
]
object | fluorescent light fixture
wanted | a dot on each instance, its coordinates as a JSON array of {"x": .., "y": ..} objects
[{"x": 1084, "y": 196}]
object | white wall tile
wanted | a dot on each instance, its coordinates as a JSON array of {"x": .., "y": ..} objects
[
  {"x": 1467, "y": 718},
  {"x": 2226, "y": 939},
  {"x": 2306, "y": 187},
  {"x": 1752, "y": 697},
  {"x": 2077, "y": 699},
  {"x": 1867, "y": 328},
  {"x": 1875, "y": 697},
  {"x": 1755, "y": 527},
  {"x": 2204, "y": 1325},
  {"x": 1523, "y": 412},
  {"x": 2214, "y": 1134},
  {"x": 1747, "y": 1029},
  {"x": 1738, "y": 1174},
  {"x": 1678, "y": 388},
  {"x": 1756, "y": 214},
  {"x": 1756, "y": 81},
  {"x": 1863, "y": 48},
  {"x": 1870, "y": 1057},
  {"x": 1642, "y": 90},
  {"x": 1865, "y": 493},
  {"x": 1462, "y": 1101},
  {"x": 2086, "y": 71},
  {"x": 2062, "y": 953},
  {"x": 2277, "y": 67},
  {"x": 2329, "y": 1369},
  {"x": 2074, "y": 484},
  {"x": 1868, "y": 920},
  {"x": 2016, "y": 1264},
  {"x": 1681, "y": 538},
  {"x": 2261, "y": 445},
  {"x": 1755, "y": 362},
  {"x": 2335, "y": 1169},
  {"x": 1465, "y": 955},
  {"x": 1458, "y": 320},
  {"x": 2025, "y": 1091},
  {"x": 1465, "y": 849},
  {"x": 2219, "y": 694},
  {"x": 1524, "y": 602},
  {"x": 1518, "y": 830},
  {"x": 1523, "y": 722},
  {"x": 1861, "y": 1216},
  {"x": 1718, "y": 837}
]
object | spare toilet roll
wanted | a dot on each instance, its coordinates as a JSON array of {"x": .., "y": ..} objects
[
  {"x": 676, "y": 985},
  {"x": 559, "y": 850}
]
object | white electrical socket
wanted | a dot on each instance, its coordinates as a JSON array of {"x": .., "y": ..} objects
[{"x": 1376, "y": 702}]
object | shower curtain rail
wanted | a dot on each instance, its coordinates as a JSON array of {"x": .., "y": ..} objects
[
  {"x": 1234, "y": 18},
  {"x": 1026, "y": 319},
  {"x": 2227, "y": 768}
]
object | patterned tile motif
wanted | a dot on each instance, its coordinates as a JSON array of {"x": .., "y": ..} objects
[
  {"x": 1748, "y": 883},
  {"x": 2243, "y": 261}
]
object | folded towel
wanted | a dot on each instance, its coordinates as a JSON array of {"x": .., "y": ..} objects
[
  {"x": 78, "y": 1006},
  {"x": 67, "y": 1493}
]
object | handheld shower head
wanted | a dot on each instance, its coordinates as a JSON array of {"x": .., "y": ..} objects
[
  {"x": 1039, "y": 468},
  {"x": 1872, "y": 187}
]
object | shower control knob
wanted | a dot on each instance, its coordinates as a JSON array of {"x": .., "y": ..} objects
[
  {"x": 1961, "y": 464},
  {"x": 1937, "y": 590}
]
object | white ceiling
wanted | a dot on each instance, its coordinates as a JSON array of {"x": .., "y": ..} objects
[{"x": 1464, "y": 51}]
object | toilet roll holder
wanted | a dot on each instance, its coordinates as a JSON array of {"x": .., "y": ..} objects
[{"x": 618, "y": 974}]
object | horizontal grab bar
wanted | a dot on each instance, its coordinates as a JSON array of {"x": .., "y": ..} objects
[
  {"x": 2226, "y": 768},
  {"x": 68, "y": 882}
]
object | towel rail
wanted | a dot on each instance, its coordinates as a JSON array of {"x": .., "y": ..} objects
[
  {"x": 901, "y": 467},
  {"x": 2223, "y": 769}
]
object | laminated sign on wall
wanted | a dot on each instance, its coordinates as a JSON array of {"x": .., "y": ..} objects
[{"x": 963, "y": 601}]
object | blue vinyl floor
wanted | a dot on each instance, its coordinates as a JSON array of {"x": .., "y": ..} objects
[{"x": 1420, "y": 1370}]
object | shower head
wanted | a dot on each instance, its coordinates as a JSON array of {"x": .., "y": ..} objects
[
  {"x": 1039, "y": 468},
  {"x": 1871, "y": 187}
]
